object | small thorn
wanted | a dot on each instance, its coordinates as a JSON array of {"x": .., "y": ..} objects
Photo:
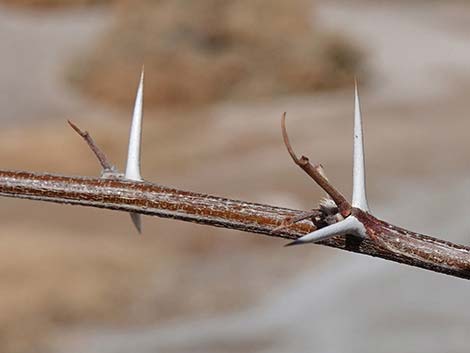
[
  {"x": 350, "y": 225},
  {"x": 359, "y": 196},
  {"x": 137, "y": 221}
]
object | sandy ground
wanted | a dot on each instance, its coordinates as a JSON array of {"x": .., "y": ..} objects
[{"x": 414, "y": 104}]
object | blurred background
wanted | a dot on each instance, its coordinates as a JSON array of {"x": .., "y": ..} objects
[{"x": 219, "y": 74}]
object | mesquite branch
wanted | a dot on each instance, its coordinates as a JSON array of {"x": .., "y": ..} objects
[
  {"x": 155, "y": 200},
  {"x": 359, "y": 230}
]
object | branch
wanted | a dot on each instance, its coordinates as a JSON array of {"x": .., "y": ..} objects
[
  {"x": 316, "y": 173},
  {"x": 402, "y": 246},
  {"x": 354, "y": 228},
  {"x": 107, "y": 167}
]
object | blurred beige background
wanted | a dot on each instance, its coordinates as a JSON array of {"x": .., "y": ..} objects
[{"x": 80, "y": 280}]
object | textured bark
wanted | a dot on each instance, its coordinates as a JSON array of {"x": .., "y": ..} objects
[{"x": 386, "y": 241}]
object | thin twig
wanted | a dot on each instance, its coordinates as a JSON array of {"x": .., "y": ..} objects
[
  {"x": 107, "y": 167},
  {"x": 316, "y": 173},
  {"x": 146, "y": 198}
]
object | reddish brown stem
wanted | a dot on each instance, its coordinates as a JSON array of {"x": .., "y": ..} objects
[
  {"x": 316, "y": 173},
  {"x": 146, "y": 198},
  {"x": 107, "y": 167}
]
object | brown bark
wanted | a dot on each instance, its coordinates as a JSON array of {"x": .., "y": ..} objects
[{"x": 396, "y": 244}]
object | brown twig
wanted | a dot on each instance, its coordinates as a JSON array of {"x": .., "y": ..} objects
[
  {"x": 316, "y": 173},
  {"x": 107, "y": 167},
  {"x": 146, "y": 198}
]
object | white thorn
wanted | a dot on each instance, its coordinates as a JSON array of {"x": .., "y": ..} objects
[
  {"x": 359, "y": 197},
  {"x": 133, "y": 152},
  {"x": 350, "y": 225},
  {"x": 137, "y": 221},
  {"x": 135, "y": 136}
]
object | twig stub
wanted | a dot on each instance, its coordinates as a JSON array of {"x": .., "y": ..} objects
[
  {"x": 316, "y": 173},
  {"x": 107, "y": 167}
]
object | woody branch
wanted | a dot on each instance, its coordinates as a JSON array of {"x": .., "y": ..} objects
[
  {"x": 156, "y": 200},
  {"x": 356, "y": 229}
]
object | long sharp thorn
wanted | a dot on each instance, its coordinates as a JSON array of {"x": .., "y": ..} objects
[
  {"x": 350, "y": 225},
  {"x": 133, "y": 152},
  {"x": 359, "y": 197},
  {"x": 135, "y": 136}
]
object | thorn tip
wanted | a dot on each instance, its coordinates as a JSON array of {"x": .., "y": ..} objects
[
  {"x": 137, "y": 221},
  {"x": 293, "y": 243}
]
